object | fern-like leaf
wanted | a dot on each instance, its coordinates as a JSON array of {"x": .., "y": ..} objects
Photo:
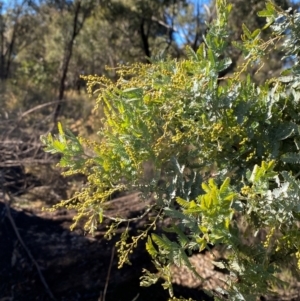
[
  {"x": 293, "y": 158},
  {"x": 191, "y": 54},
  {"x": 224, "y": 187},
  {"x": 183, "y": 203},
  {"x": 150, "y": 247},
  {"x": 162, "y": 243}
]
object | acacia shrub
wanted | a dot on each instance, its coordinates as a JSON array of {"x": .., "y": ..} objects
[{"x": 244, "y": 137}]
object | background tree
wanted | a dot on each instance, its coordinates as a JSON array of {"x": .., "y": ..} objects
[
  {"x": 16, "y": 33},
  {"x": 79, "y": 13}
]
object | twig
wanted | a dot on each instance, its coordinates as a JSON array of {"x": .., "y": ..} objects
[
  {"x": 24, "y": 246},
  {"x": 12, "y": 163},
  {"x": 133, "y": 219},
  {"x": 41, "y": 106},
  {"x": 136, "y": 297},
  {"x": 108, "y": 272}
]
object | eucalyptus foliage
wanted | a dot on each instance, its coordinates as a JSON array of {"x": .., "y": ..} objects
[{"x": 223, "y": 150}]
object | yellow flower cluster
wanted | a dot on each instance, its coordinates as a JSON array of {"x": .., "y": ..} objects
[
  {"x": 269, "y": 237},
  {"x": 244, "y": 140},
  {"x": 251, "y": 156},
  {"x": 216, "y": 131},
  {"x": 132, "y": 155},
  {"x": 298, "y": 259},
  {"x": 246, "y": 190}
]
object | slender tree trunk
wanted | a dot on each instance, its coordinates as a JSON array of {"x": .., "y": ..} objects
[
  {"x": 6, "y": 55},
  {"x": 2, "y": 62},
  {"x": 66, "y": 60},
  {"x": 198, "y": 30},
  {"x": 10, "y": 52},
  {"x": 145, "y": 36}
]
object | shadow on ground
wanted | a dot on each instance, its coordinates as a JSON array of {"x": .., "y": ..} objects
[{"x": 74, "y": 266}]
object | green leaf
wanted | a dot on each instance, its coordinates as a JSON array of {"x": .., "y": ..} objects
[
  {"x": 135, "y": 91},
  {"x": 205, "y": 187},
  {"x": 192, "y": 55},
  {"x": 225, "y": 64},
  {"x": 212, "y": 184},
  {"x": 270, "y": 7},
  {"x": 224, "y": 187},
  {"x": 206, "y": 201},
  {"x": 101, "y": 216},
  {"x": 230, "y": 196},
  {"x": 201, "y": 52},
  {"x": 269, "y": 23},
  {"x": 183, "y": 203},
  {"x": 255, "y": 33},
  {"x": 254, "y": 175},
  {"x": 246, "y": 31},
  {"x": 286, "y": 79},
  {"x": 211, "y": 57},
  {"x": 202, "y": 244},
  {"x": 265, "y": 13},
  {"x": 291, "y": 158},
  {"x": 163, "y": 243},
  {"x": 60, "y": 129},
  {"x": 59, "y": 146},
  {"x": 150, "y": 247}
]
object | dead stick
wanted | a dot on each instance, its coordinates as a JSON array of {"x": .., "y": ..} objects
[
  {"x": 25, "y": 248},
  {"x": 108, "y": 272}
]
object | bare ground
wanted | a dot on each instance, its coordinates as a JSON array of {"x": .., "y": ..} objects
[{"x": 72, "y": 266}]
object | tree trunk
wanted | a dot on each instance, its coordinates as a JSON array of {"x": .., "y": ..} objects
[
  {"x": 2, "y": 62},
  {"x": 66, "y": 60},
  {"x": 144, "y": 36},
  {"x": 9, "y": 53},
  {"x": 6, "y": 56}
]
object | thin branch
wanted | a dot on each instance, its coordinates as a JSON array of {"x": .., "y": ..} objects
[
  {"x": 136, "y": 297},
  {"x": 40, "y": 107},
  {"x": 108, "y": 272},
  {"x": 11, "y": 163},
  {"x": 164, "y": 24},
  {"x": 134, "y": 219},
  {"x": 24, "y": 245}
]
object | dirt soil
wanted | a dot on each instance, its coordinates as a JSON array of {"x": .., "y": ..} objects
[{"x": 74, "y": 265}]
